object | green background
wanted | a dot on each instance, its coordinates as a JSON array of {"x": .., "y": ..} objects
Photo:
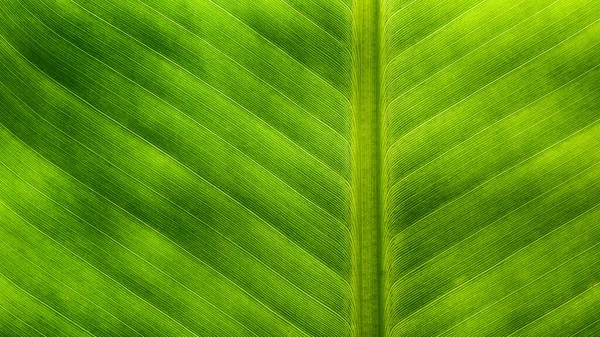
[{"x": 299, "y": 168}]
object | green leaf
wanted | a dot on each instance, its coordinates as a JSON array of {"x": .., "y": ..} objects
[{"x": 299, "y": 168}]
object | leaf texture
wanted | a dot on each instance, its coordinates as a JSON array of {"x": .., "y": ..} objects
[
  {"x": 299, "y": 168},
  {"x": 492, "y": 140}
]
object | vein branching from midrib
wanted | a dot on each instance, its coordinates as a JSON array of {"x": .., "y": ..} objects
[{"x": 367, "y": 170}]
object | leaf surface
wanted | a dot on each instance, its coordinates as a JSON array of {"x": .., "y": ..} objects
[{"x": 299, "y": 168}]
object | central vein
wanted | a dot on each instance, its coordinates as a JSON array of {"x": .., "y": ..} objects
[{"x": 368, "y": 170}]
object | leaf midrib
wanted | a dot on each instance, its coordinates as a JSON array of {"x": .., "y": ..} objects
[{"x": 367, "y": 176}]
